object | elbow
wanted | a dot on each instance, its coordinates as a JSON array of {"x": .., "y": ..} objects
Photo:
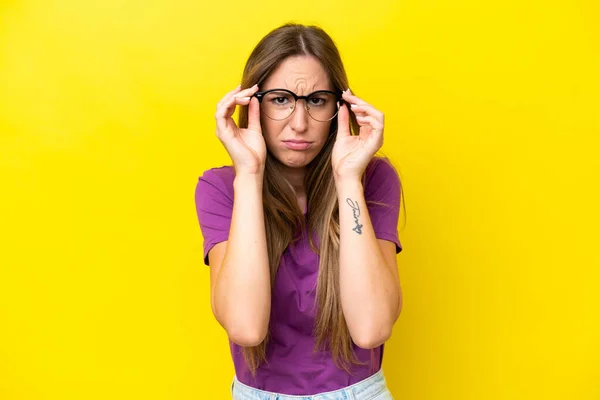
[
  {"x": 373, "y": 338},
  {"x": 242, "y": 329},
  {"x": 400, "y": 303},
  {"x": 370, "y": 333},
  {"x": 249, "y": 336}
]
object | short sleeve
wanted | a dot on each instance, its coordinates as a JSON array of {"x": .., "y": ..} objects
[
  {"x": 214, "y": 206},
  {"x": 383, "y": 186}
]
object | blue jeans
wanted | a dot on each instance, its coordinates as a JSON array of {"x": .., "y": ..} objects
[{"x": 372, "y": 388}]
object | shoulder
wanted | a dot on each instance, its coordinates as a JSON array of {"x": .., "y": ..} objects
[{"x": 218, "y": 180}]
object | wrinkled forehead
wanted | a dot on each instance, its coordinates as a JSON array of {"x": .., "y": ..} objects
[{"x": 300, "y": 74}]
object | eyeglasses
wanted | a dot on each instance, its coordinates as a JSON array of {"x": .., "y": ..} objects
[{"x": 279, "y": 104}]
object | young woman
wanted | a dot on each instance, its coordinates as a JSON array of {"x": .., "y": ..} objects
[{"x": 301, "y": 232}]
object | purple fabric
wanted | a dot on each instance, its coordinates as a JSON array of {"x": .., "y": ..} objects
[{"x": 293, "y": 367}]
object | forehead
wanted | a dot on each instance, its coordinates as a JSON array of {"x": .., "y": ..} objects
[{"x": 300, "y": 74}]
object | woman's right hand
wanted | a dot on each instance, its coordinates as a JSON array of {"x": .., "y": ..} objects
[{"x": 246, "y": 147}]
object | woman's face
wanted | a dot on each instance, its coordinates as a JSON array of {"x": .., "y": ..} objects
[{"x": 298, "y": 139}]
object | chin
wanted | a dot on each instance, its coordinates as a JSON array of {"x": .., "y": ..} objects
[{"x": 296, "y": 160}]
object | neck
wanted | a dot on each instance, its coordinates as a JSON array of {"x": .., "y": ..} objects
[{"x": 296, "y": 177}]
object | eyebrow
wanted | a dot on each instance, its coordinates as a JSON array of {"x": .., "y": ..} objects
[
  {"x": 286, "y": 86},
  {"x": 281, "y": 87}
]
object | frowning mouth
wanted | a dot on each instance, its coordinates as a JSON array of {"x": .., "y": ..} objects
[{"x": 297, "y": 144}]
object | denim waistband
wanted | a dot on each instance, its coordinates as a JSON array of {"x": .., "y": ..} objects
[{"x": 363, "y": 390}]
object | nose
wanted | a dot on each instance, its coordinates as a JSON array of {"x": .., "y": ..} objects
[{"x": 300, "y": 117}]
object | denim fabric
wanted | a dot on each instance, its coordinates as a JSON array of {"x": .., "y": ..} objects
[{"x": 372, "y": 388}]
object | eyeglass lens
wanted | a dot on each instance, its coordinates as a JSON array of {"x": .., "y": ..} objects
[{"x": 278, "y": 105}]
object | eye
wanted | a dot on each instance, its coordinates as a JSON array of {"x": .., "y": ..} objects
[
  {"x": 279, "y": 100},
  {"x": 321, "y": 100}
]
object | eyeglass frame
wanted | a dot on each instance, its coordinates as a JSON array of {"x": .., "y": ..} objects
[{"x": 338, "y": 95}]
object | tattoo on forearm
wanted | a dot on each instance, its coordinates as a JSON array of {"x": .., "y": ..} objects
[{"x": 356, "y": 214}]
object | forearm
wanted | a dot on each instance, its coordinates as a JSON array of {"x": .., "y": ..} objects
[
  {"x": 370, "y": 293},
  {"x": 242, "y": 292}
]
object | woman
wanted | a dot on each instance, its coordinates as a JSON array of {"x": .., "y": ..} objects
[{"x": 301, "y": 232}]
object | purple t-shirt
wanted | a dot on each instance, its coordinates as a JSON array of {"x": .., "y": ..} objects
[{"x": 292, "y": 366}]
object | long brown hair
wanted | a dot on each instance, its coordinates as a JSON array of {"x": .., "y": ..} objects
[{"x": 283, "y": 216}]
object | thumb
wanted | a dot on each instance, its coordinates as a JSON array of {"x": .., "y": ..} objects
[
  {"x": 254, "y": 115},
  {"x": 343, "y": 128}
]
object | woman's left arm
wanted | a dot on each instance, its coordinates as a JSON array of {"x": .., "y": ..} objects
[
  {"x": 370, "y": 290},
  {"x": 369, "y": 282}
]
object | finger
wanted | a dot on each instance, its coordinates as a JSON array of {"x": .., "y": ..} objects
[
  {"x": 223, "y": 115},
  {"x": 238, "y": 92},
  {"x": 343, "y": 128},
  {"x": 367, "y": 109},
  {"x": 247, "y": 92},
  {"x": 227, "y": 109},
  {"x": 229, "y": 95},
  {"x": 358, "y": 113},
  {"x": 352, "y": 99},
  {"x": 371, "y": 121},
  {"x": 254, "y": 115},
  {"x": 221, "y": 125}
]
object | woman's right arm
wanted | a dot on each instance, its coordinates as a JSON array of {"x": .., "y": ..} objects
[{"x": 239, "y": 267}]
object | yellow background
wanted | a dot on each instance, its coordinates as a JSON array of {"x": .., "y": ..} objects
[{"x": 106, "y": 121}]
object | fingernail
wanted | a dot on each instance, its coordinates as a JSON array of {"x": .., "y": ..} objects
[
  {"x": 353, "y": 105},
  {"x": 348, "y": 90}
]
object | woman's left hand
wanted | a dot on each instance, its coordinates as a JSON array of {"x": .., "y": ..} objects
[{"x": 351, "y": 154}]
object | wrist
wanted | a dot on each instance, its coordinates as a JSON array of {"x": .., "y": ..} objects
[
  {"x": 347, "y": 182},
  {"x": 245, "y": 178},
  {"x": 347, "y": 175}
]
